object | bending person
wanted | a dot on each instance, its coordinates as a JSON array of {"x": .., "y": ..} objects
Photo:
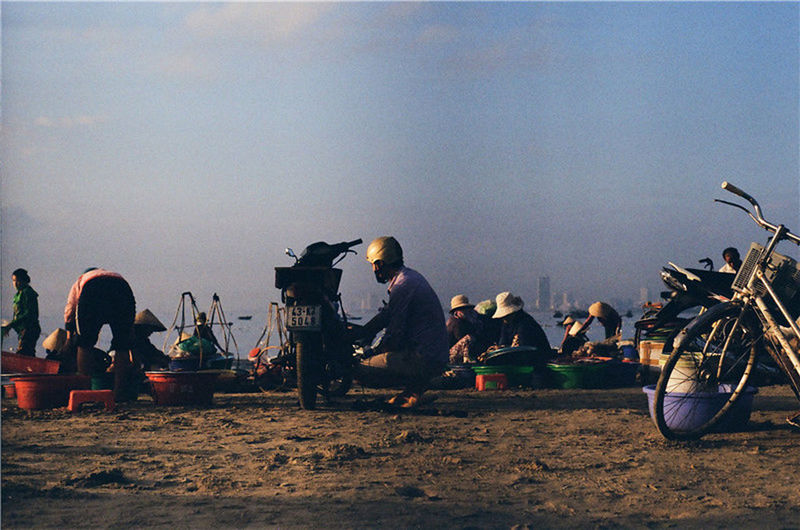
[
  {"x": 101, "y": 297},
  {"x": 607, "y": 316}
]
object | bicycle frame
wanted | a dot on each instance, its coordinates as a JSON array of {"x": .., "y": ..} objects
[{"x": 756, "y": 288}]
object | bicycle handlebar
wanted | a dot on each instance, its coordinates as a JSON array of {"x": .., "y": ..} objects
[
  {"x": 733, "y": 189},
  {"x": 758, "y": 217}
]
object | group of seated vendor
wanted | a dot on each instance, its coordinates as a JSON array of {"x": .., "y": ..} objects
[{"x": 475, "y": 331}]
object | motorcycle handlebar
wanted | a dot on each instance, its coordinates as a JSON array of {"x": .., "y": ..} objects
[{"x": 345, "y": 245}]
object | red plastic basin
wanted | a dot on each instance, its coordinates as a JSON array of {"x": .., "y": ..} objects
[
  {"x": 47, "y": 391},
  {"x": 182, "y": 388}
]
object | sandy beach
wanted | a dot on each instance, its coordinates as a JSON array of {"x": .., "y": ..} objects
[{"x": 465, "y": 459}]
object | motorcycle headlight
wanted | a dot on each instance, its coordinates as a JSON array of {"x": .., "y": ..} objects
[{"x": 672, "y": 282}]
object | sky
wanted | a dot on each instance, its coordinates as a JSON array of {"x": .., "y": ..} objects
[{"x": 186, "y": 145}]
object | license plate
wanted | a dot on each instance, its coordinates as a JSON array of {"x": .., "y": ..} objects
[{"x": 305, "y": 317}]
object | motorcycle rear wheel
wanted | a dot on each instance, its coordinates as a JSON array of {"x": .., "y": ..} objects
[{"x": 726, "y": 334}]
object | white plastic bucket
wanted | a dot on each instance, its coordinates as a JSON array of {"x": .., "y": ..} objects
[{"x": 683, "y": 378}]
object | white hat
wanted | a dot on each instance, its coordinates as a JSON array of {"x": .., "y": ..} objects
[
  {"x": 567, "y": 321},
  {"x": 459, "y": 301},
  {"x": 575, "y": 328},
  {"x": 507, "y": 303}
]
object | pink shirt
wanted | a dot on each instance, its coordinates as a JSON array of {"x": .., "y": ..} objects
[{"x": 77, "y": 287}]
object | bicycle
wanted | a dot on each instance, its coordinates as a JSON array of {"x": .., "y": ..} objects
[{"x": 714, "y": 355}]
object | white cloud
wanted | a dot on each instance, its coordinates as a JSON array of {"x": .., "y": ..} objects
[
  {"x": 438, "y": 34},
  {"x": 69, "y": 122},
  {"x": 186, "y": 64},
  {"x": 264, "y": 23}
]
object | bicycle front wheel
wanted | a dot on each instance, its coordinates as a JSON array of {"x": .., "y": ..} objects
[{"x": 712, "y": 358}]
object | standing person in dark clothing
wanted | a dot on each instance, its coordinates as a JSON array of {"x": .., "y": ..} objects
[
  {"x": 519, "y": 328},
  {"x": 101, "y": 297},
  {"x": 26, "y": 314},
  {"x": 413, "y": 349}
]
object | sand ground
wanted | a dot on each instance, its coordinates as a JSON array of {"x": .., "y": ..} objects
[{"x": 466, "y": 459}]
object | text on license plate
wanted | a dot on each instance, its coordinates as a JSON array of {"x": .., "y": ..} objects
[{"x": 303, "y": 317}]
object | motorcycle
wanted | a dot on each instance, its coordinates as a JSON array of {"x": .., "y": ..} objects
[
  {"x": 316, "y": 322},
  {"x": 690, "y": 289}
]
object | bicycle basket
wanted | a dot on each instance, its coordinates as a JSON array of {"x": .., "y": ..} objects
[{"x": 782, "y": 272}]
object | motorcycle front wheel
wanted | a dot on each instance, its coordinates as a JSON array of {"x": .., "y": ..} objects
[
  {"x": 307, "y": 353},
  {"x": 715, "y": 354}
]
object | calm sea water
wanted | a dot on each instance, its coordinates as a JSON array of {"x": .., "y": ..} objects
[{"x": 246, "y": 333}]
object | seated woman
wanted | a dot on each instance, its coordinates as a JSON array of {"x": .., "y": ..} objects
[
  {"x": 463, "y": 331},
  {"x": 518, "y": 328},
  {"x": 203, "y": 330},
  {"x": 145, "y": 354},
  {"x": 574, "y": 337}
]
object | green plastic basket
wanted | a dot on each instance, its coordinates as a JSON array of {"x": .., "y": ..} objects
[{"x": 583, "y": 375}]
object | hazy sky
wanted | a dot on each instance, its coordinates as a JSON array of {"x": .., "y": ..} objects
[{"x": 186, "y": 145}]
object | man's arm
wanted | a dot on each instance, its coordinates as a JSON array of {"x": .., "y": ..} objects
[{"x": 368, "y": 331}]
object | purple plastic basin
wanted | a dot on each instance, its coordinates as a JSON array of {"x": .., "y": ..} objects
[{"x": 686, "y": 412}]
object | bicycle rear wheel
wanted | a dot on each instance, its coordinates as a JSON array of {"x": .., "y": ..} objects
[{"x": 713, "y": 355}]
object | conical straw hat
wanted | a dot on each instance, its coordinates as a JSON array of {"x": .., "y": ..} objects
[
  {"x": 146, "y": 318},
  {"x": 55, "y": 341}
]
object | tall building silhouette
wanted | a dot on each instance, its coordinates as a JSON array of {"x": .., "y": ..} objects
[{"x": 543, "y": 295}]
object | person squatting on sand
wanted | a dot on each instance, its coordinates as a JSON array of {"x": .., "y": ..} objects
[
  {"x": 413, "y": 349},
  {"x": 464, "y": 331},
  {"x": 519, "y": 328},
  {"x": 145, "y": 354},
  {"x": 574, "y": 336},
  {"x": 26, "y": 314},
  {"x": 96, "y": 298}
]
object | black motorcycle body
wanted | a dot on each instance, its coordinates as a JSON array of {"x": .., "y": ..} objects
[
  {"x": 691, "y": 291},
  {"x": 316, "y": 322}
]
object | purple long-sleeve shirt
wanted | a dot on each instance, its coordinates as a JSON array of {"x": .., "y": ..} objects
[{"x": 413, "y": 318}]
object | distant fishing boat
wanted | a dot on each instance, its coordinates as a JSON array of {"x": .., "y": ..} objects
[{"x": 245, "y": 317}]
